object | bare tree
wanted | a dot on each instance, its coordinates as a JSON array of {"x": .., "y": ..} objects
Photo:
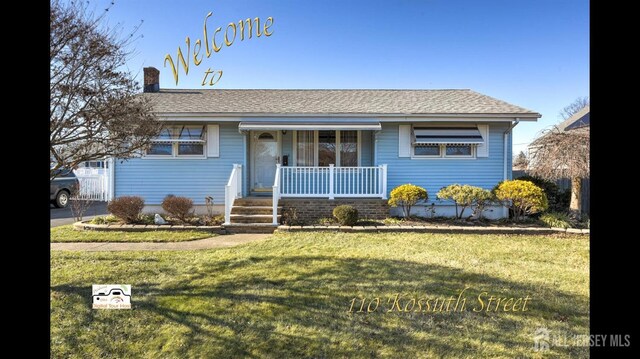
[
  {"x": 521, "y": 160},
  {"x": 95, "y": 107},
  {"x": 577, "y": 105},
  {"x": 79, "y": 203},
  {"x": 563, "y": 154}
]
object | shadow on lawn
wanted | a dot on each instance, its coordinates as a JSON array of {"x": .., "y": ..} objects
[{"x": 298, "y": 306}]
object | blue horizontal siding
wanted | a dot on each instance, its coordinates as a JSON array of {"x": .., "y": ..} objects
[
  {"x": 366, "y": 149},
  {"x": 433, "y": 174},
  {"x": 153, "y": 179}
]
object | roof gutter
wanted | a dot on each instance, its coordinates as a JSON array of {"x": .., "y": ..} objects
[
  {"x": 228, "y": 116},
  {"x": 505, "y": 137}
]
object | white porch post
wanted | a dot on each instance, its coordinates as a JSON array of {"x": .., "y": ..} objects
[
  {"x": 276, "y": 196},
  {"x": 331, "y": 172},
  {"x": 239, "y": 189},
  {"x": 384, "y": 181}
]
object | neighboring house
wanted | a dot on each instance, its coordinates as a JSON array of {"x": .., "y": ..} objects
[
  {"x": 332, "y": 146},
  {"x": 579, "y": 121}
]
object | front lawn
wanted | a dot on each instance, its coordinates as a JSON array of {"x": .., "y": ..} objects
[
  {"x": 289, "y": 297},
  {"x": 68, "y": 234}
]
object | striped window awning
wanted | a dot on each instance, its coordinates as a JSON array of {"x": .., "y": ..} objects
[
  {"x": 181, "y": 140},
  {"x": 447, "y": 136},
  {"x": 307, "y": 124}
]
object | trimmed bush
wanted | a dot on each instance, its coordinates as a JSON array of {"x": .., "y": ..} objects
[
  {"x": 465, "y": 196},
  {"x": 556, "y": 219},
  {"x": 558, "y": 198},
  {"x": 406, "y": 196},
  {"x": 346, "y": 215},
  {"x": 126, "y": 208},
  {"x": 523, "y": 197},
  {"x": 180, "y": 208}
]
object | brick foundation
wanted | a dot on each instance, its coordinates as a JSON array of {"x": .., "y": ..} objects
[{"x": 310, "y": 210}]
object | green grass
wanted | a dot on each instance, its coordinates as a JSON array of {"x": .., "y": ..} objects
[
  {"x": 68, "y": 234},
  {"x": 289, "y": 297}
]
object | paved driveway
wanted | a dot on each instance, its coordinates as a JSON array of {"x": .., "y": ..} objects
[{"x": 62, "y": 216}]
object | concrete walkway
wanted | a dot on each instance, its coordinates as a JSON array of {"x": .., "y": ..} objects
[{"x": 207, "y": 243}]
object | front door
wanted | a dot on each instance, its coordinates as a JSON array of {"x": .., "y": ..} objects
[{"x": 265, "y": 157}]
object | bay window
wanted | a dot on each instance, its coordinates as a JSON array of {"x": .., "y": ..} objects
[{"x": 325, "y": 147}]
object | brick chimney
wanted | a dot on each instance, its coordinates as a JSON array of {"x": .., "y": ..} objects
[{"x": 151, "y": 79}]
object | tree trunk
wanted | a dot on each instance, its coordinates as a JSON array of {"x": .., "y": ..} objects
[{"x": 576, "y": 196}]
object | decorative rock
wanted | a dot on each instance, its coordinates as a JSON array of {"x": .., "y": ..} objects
[{"x": 157, "y": 219}]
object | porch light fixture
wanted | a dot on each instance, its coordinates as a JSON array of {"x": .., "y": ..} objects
[{"x": 284, "y": 132}]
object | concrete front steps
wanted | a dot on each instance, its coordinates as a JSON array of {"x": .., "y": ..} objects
[{"x": 252, "y": 215}]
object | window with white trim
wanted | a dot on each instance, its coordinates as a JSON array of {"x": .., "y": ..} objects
[
  {"x": 184, "y": 141},
  {"x": 444, "y": 151},
  {"x": 324, "y": 147},
  {"x": 445, "y": 141}
]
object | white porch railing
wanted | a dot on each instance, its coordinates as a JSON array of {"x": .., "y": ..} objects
[
  {"x": 232, "y": 190},
  {"x": 332, "y": 182},
  {"x": 276, "y": 195}
]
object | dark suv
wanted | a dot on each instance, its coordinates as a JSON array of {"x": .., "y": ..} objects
[{"x": 62, "y": 186}]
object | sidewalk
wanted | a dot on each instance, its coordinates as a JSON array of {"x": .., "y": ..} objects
[{"x": 207, "y": 243}]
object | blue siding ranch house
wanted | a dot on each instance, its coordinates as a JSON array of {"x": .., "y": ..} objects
[{"x": 259, "y": 151}]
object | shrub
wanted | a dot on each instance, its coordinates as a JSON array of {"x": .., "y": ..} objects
[
  {"x": 215, "y": 220},
  {"x": 389, "y": 221},
  {"x": 522, "y": 197},
  {"x": 558, "y": 198},
  {"x": 465, "y": 196},
  {"x": 126, "y": 208},
  {"x": 483, "y": 199},
  {"x": 146, "y": 219},
  {"x": 290, "y": 217},
  {"x": 346, "y": 215},
  {"x": 406, "y": 196},
  {"x": 180, "y": 208},
  {"x": 326, "y": 221},
  {"x": 556, "y": 219},
  {"x": 104, "y": 219}
]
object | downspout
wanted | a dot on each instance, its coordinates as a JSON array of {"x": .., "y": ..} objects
[{"x": 505, "y": 211}]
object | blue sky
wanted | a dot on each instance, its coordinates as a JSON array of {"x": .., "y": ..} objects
[{"x": 532, "y": 53}]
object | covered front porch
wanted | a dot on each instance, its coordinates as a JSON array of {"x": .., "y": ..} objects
[{"x": 306, "y": 159}]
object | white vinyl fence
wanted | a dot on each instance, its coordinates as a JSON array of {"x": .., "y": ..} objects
[
  {"x": 95, "y": 188},
  {"x": 94, "y": 183}
]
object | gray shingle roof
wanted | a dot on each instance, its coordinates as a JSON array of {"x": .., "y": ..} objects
[
  {"x": 577, "y": 120},
  {"x": 307, "y": 102}
]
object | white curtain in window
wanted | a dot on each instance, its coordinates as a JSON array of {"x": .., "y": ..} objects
[{"x": 304, "y": 149}]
